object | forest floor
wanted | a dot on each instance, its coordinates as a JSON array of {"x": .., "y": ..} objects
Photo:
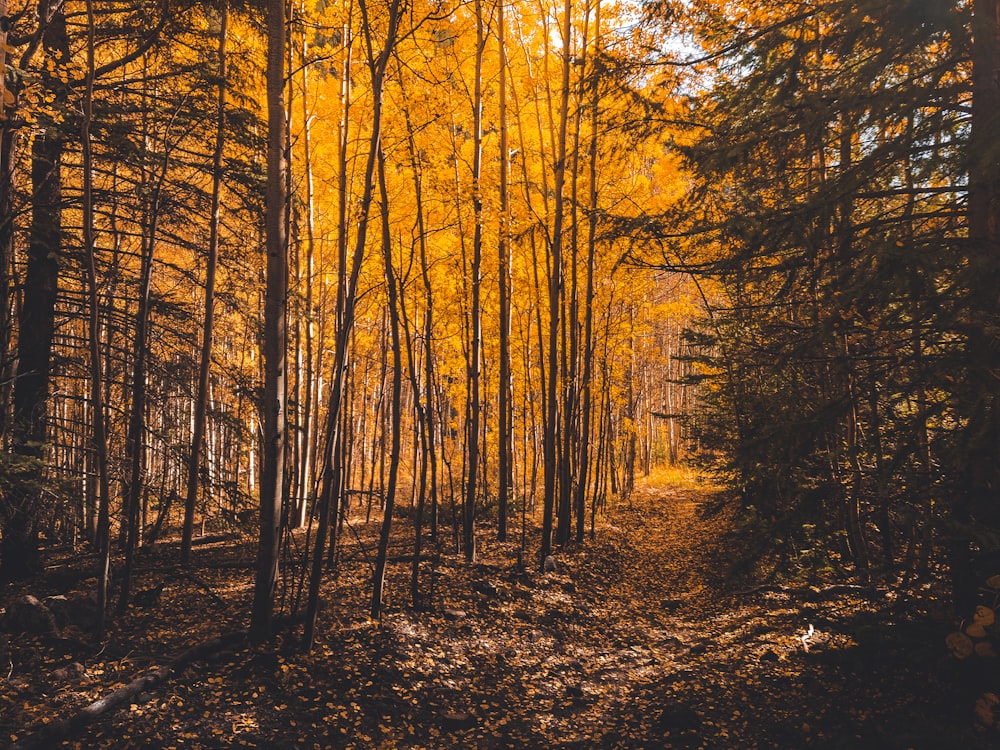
[{"x": 636, "y": 641}]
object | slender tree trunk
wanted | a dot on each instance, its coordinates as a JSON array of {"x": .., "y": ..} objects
[
  {"x": 273, "y": 408},
  {"x": 475, "y": 313},
  {"x": 208, "y": 322},
  {"x": 583, "y": 461},
  {"x": 396, "y": 427},
  {"x": 136, "y": 437},
  {"x": 332, "y": 505},
  {"x": 425, "y": 408},
  {"x": 7, "y": 282},
  {"x": 307, "y": 427},
  {"x": 346, "y": 301},
  {"x": 555, "y": 291},
  {"x": 505, "y": 440},
  {"x": 96, "y": 377},
  {"x": 571, "y": 320}
]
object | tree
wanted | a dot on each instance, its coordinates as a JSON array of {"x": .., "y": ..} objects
[
  {"x": 505, "y": 410},
  {"x": 475, "y": 356},
  {"x": 19, "y": 557},
  {"x": 208, "y": 322},
  {"x": 976, "y": 508},
  {"x": 347, "y": 295},
  {"x": 553, "y": 461},
  {"x": 395, "y": 407},
  {"x": 826, "y": 216},
  {"x": 96, "y": 370},
  {"x": 586, "y": 412},
  {"x": 273, "y": 406}
]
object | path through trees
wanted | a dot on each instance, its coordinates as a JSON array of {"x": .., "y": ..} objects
[{"x": 633, "y": 641}]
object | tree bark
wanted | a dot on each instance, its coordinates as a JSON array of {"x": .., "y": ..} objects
[
  {"x": 19, "y": 551},
  {"x": 555, "y": 291},
  {"x": 273, "y": 408},
  {"x": 208, "y": 321},
  {"x": 396, "y": 427},
  {"x": 346, "y": 304},
  {"x": 475, "y": 312},
  {"x": 94, "y": 338},
  {"x": 979, "y": 493},
  {"x": 505, "y": 439},
  {"x": 583, "y": 460}
]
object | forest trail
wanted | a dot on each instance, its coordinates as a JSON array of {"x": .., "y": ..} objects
[{"x": 635, "y": 641}]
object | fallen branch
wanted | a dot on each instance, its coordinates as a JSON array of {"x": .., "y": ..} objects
[{"x": 48, "y": 735}]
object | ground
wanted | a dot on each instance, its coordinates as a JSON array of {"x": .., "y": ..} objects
[{"x": 639, "y": 639}]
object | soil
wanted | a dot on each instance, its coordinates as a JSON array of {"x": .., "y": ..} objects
[{"x": 637, "y": 640}]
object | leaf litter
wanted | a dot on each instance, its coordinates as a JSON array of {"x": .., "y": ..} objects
[{"x": 637, "y": 639}]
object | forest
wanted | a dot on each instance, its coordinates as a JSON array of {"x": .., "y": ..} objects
[{"x": 480, "y": 373}]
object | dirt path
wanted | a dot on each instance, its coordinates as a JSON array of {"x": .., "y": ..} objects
[
  {"x": 634, "y": 642},
  {"x": 799, "y": 667}
]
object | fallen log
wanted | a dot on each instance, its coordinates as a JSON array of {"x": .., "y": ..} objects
[{"x": 48, "y": 735}]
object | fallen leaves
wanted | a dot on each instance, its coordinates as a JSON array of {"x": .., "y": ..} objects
[{"x": 631, "y": 641}]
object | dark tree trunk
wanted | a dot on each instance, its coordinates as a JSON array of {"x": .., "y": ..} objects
[
  {"x": 475, "y": 313},
  {"x": 19, "y": 553},
  {"x": 208, "y": 322},
  {"x": 273, "y": 413},
  {"x": 505, "y": 417},
  {"x": 551, "y": 446},
  {"x": 396, "y": 428},
  {"x": 94, "y": 337},
  {"x": 347, "y": 292},
  {"x": 135, "y": 443},
  {"x": 583, "y": 462},
  {"x": 7, "y": 283},
  {"x": 424, "y": 408},
  {"x": 979, "y": 499}
]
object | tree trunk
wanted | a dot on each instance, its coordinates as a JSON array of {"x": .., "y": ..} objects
[
  {"x": 396, "y": 427},
  {"x": 583, "y": 461},
  {"x": 19, "y": 551},
  {"x": 96, "y": 375},
  {"x": 505, "y": 439},
  {"x": 424, "y": 409},
  {"x": 555, "y": 292},
  {"x": 346, "y": 302},
  {"x": 273, "y": 408},
  {"x": 208, "y": 322},
  {"x": 979, "y": 473},
  {"x": 135, "y": 442},
  {"x": 7, "y": 281},
  {"x": 307, "y": 426},
  {"x": 475, "y": 313}
]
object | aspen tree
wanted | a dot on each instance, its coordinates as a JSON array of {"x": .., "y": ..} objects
[
  {"x": 94, "y": 344},
  {"x": 273, "y": 411},
  {"x": 552, "y": 421},
  {"x": 475, "y": 312},
  {"x": 505, "y": 418},
  {"x": 208, "y": 320}
]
